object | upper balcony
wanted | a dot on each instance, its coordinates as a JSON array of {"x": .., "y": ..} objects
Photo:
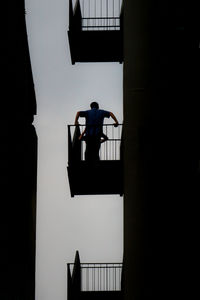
[
  {"x": 102, "y": 176},
  {"x": 96, "y": 31}
]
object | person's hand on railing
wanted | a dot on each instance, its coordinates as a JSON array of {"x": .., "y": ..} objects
[
  {"x": 115, "y": 119},
  {"x": 76, "y": 123}
]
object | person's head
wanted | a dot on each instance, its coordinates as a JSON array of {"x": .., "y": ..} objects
[{"x": 94, "y": 105}]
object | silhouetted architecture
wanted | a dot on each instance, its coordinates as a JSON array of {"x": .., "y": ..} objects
[
  {"x": 94, "y": 280},
  {"x": 101, "y": 177},
  {"x": 96, "y": 31},
  {"x": 18, "y": 153},
  {"x": 161, "y": 149}
]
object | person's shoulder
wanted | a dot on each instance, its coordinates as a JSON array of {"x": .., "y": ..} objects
[
  {"x": 83, "y": 113},
  {"x": 105, "y": 112}
]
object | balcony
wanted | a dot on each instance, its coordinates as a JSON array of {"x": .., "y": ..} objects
[
  {"x": 94, "y": 280},
  {"x": 104, "y": 176},
  {"x": 96, "y": 31}
]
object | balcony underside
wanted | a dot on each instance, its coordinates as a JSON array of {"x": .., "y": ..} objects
[
  {"x": 96, "y": 46},
  {"x": 104, "y": 177},
  {"x": 102, "y": 295}
]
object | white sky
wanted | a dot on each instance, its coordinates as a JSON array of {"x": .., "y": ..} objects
[{"x": 91, "y": 224}]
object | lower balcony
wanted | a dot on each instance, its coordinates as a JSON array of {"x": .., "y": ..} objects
[{"x": 95, "y": 281}]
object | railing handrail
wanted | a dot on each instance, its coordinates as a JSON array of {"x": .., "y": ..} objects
[
  {"x": 110, "y": 265},
  {"x": 119, "y": 124},
  {"x": 99, "y": 18}
]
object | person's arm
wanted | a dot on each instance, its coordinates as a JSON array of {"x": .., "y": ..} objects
[
  {"x": 115, "y": 119},
  {"x": 82, "y": 134},
  {"x": 76, "y": 118}
]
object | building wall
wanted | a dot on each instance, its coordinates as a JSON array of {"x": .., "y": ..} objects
[
  {"x": 18, "y": 158},
  {"x": 160, "y": 149}
]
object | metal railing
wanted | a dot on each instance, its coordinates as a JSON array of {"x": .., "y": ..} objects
[
  {"x": 100, "y": 276},
  {"x": 100, "y": 14},
  {"x": 109, "y": 23},
  {"x": 110, "y": 148}
]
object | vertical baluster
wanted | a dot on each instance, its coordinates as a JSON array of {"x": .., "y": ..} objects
[
  {"x": 81, "y": 280},
  {"x": 113, "y": 13},
  {"x": 87, "y": 278},
  {"x": 92, "y": 278},
  {"x": 100, "y": 284},
  {"x": 95, "y": 11},
  {"x": 81, "y": 130},
  {"x": 115, "y": 148},
  {"x": 119, "y": 279},
  {"x": 100, "y": 151},
  {"x": 106, "y": 278},
  {"x": 106, "y": 147},
  {"x": 113, "y": 143},
  {"x": 119, "y": 143},
  {"x": 107, "y": 12},
  {"x": 101, "y": 11},
  {"x": 112, "y": 277},
  {"x": 97, "y": 278},
  {"x": 109, "y": 279},
  {"x": 115, "y": 279},
  {"x": 103, "y": 272}
]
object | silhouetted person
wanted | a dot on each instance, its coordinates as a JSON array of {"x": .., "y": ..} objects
[
  {"x": 94, "y": 129},
  {"x": 104, "y": 137}
]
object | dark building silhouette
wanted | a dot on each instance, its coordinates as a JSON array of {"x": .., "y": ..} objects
[
  {"x": 160, "y": 149},
  {"x": 161, "y": 152},
  {"x": 18, "y": 158}
]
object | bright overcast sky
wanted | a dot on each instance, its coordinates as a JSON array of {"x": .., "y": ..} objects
[{"x": 91, "y": 224}]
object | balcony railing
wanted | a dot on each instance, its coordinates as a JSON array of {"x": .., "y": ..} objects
[
  {"x": 100, "y": 23},
  {"x": 110, "y": 149},
  {"x": 99, "y": 276},
  {"x": 100, "y": 8},
  {"x": 99, "y": 14}
]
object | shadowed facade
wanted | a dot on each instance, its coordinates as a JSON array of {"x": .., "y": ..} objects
[
  {"x": 161, "y": 149},
  {"x": 18, "y": 158}
]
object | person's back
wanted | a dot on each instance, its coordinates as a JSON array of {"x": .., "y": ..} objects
[{"x": 94, "y": 121}]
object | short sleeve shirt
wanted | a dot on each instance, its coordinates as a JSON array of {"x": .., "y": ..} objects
[{"x": 94, "y": 120}]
